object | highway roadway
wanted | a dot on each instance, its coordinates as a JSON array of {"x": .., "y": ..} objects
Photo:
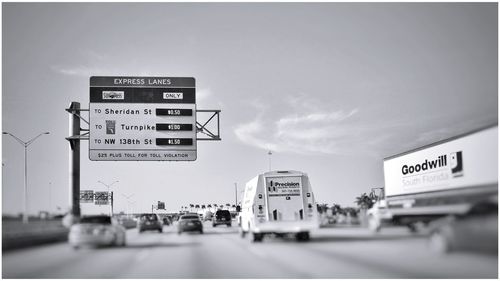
[{"x": 341, "y": 252}]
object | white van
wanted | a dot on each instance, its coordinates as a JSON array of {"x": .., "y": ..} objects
[{"x": 279, "y": 202}]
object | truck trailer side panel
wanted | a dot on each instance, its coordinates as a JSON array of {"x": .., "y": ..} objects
[{"x": 466, "y": 162}]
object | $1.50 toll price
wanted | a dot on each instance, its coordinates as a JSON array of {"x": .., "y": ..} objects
[{"x": 174, "y": 141}]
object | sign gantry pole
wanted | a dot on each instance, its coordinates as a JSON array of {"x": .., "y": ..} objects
[
  {"x": 74, "y": 159},
  {"x": 74, "y": 155},
  {"x": 111, "y": 203}
]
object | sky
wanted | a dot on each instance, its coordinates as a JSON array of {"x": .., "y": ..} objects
[{"x": 330, "y": 88}]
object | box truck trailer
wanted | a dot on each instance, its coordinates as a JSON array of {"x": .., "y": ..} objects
[
  {"x": 446, "y": 178},
  {"x": 280, "y": 203}
]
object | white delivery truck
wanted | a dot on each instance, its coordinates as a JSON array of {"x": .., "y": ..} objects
[
  {"x": 281, "y": 203},
  {"x": 446, "y": 178}
]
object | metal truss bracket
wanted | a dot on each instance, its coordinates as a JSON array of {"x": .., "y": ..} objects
[
  {"x": 77, "y": 112},
  {"x": 203, "y": 129}
]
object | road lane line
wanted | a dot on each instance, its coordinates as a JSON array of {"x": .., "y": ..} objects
[
  {"x": 256, "y": 252},
  {"x": 142, "y": 255}
]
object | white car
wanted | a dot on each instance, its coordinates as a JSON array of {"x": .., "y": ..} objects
[{"x": 97, "y": 231}]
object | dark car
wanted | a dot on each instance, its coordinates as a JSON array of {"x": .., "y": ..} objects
[
  {"x": 167, "y": 220},
  {"x": 189, "y": 222},
  {"x": 475, "y": 231},
  {"x": 150, "y": 222},
  {"x": 221, "y": 217}
]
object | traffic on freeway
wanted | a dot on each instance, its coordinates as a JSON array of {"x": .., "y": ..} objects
[
  {"x": 221, "y": 252},
  {"x": 249, "y": 140}
]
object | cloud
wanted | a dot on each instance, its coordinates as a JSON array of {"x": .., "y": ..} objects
[
  {"x": 307, "y": 125},
  {"x": 79, "y": 70},
  {"x": 253, "y": 133},
  {"x": 314, "y": 118},
  {"x": 93, "y": 65},
  {"x": 313, "y": 128},
  {"x": 203, "y": 94}
]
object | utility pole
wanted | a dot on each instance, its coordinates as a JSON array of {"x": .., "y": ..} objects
[{"x": 25, "y": 144}]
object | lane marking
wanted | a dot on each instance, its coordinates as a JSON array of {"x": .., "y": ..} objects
[
  {"x": 142, "y": 255},
  {"x": 256, "y": 252}
]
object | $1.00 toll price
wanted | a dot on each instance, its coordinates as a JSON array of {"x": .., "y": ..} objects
[{"x": 174, "y": 127}]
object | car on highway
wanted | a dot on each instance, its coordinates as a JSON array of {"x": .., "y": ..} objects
[
  {"x": 477, "y": 230},
  {"x": 221, "y": 217},
  {"x": 189, "y": 223},
  {"x": 167, "y": 220},
  {"x": 208, "y": 216},
  {"x": 127, "y": 222},
  {"x": 150, "y": 222},
  {"x": 98, "y": 230}
]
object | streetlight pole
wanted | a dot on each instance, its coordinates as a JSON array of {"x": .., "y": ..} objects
[
  {"x": 25, "y": 144},
  {"x": 235, "y": 193},
  {"x": 128, "y": 201},
  {"x": 50, "y": 196},
  {"x": 269, "y": 153},
  {"x": 109, "y": 186},
  {"x": 132, "y": 206}
]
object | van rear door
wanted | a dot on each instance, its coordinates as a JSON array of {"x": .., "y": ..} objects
[{"x": 284, "y": 198}]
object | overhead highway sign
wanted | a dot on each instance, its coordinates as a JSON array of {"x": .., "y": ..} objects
[{"x": 142, "y": 119}]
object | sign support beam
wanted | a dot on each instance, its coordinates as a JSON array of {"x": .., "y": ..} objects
[
  {"x": 202, "y": 128},
  {"x": 74, "y": 158}
]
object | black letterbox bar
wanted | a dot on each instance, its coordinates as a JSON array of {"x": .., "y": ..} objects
[
  {"x": 173, "y": 127},
  {"x": 174, "y": 141},
  {"x": 174, "y": 112}
]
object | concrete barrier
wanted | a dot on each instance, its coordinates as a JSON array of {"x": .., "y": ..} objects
[{"x": 16, "y": 235}]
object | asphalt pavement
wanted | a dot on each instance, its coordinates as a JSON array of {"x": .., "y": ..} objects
[{"x": 340, "y": 252}]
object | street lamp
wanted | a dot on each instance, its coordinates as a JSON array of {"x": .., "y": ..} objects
[
  {"x": 50, "y": 196},
  {"x": 109, "y": 186},
  {"x": 269, "y": 153},
  {"x": 128, "y": 201},
  {"x": 132, "y": 204},
  {"x": 25, "y": 144}
]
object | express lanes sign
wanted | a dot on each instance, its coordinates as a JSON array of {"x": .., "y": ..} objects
[{"x": 142, "y": 118}]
